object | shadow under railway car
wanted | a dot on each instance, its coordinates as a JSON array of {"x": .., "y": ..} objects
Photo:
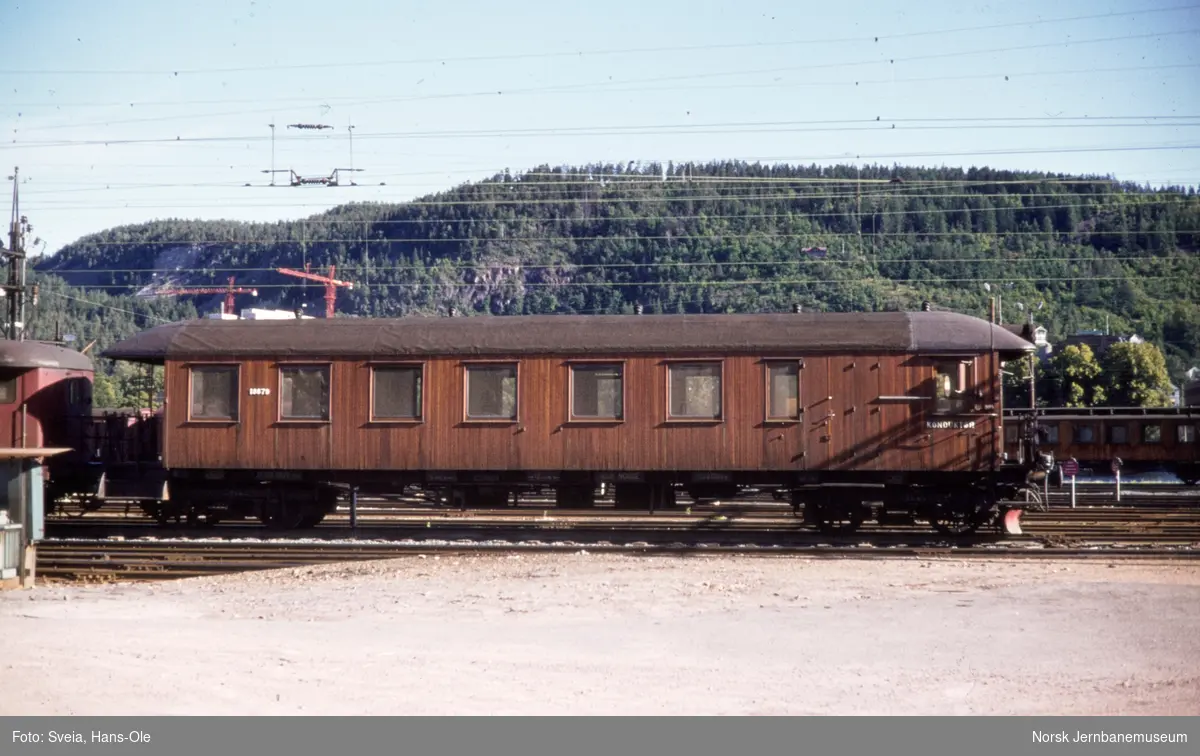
[
  {"x": 1144, "y": 439},
  {"x": 855, "y": 416}
]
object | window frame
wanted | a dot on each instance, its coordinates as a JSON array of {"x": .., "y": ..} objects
[
  {"x": 967, "y": 376},
  {"x": 1110, "y": 431},
  {"x": 280, "y": 367},
  {"x": 1052, "y": 429},
  {"x": 1076, "y": 440},
  {"x": 767, "y": 363},
  {"x": 191, "y": 367},
  {"x": 374, "y": 419},
  {"x": 465, "y": 385},
  {"x": 572, "y": 418},
  {"x": 76, "y": 392},
  {"x": 1145, "y": 432},
  {"x": 671, "y": 362},
  {"x": 1179, "y": 433},
  {"x": 15, "y": 380}
]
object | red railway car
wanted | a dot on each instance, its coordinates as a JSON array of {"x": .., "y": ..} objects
[
  {"x": 856, "y": 415},
  {"x": 42, "y": 388}
]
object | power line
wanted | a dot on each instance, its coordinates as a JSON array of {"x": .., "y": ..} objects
[
  {"x": 714, "y": 236},
  {"x": 548, "y": 187},
  {"x": 210, "y": 115},
  {"x": 534, "y": 200},
  {"x": 608, "y": 89},
  {"x": 892, "y": 61},
  {"x": 732, "y": 127},
  {"x": 581, "y": 53},
  {"x": 718, "y": 282},
  {"x": 751, "y": 128},
  {"x": 597, "y": 178},
  {"x": 800, "y": 260},
  {"x": 105, "y": 306}
]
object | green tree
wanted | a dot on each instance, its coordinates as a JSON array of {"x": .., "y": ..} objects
[
  {"x": 1079, "y": 374},
  {"x": 128, "y": 386},
  {"x": 601, "y": 238},
  {"x": 104, "y": 391},
  {"x": 1136, "y": 374}
]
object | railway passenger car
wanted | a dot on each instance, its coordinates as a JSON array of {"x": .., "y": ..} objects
[
  {"x": 43, "y": 387},
  {"x": 1144, "y": 439},
  {"x": 854, "y": 415}
]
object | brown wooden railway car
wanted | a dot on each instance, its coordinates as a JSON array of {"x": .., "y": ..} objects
[
  {"x": 1144, "y": 439},
  {"x": 886, "y": 405}
]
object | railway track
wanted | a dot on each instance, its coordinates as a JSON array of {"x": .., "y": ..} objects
[
  {"x": 106, "y": 561},
  {"x": 87, "y": 550},
  {"x": 1186, "y": 521}
]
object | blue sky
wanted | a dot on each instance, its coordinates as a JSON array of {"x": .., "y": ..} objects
[{"x": 130, "y": 110}]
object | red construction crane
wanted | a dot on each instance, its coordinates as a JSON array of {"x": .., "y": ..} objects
[
  {"x": 229, "y": 292},
  {"x": 330, "y": 282}
]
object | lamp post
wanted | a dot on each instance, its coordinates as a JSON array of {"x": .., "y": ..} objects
[{"x": 1032, "y": 355}]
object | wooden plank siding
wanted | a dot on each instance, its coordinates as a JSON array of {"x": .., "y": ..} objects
[{"x": 843, "y": 425}]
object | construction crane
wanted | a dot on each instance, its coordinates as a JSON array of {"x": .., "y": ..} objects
[
  {"x": 330, "y": 282},
  {"x": 229, "y": 292}
]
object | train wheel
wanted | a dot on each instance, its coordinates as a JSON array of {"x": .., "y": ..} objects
[
  {"x": 280, "y": 514},
  {"x": 313, "y": 514},
  {"x": 311, "y": 520},
  {"x": 287, "y": 519},
  {"x": 960, "y": 514},
  {"x": 832, "y": 518},
  {"x": 956, "y": 521},
  {"x": 631, "y": 496},
  {"x": 574, "y": 497},
  {"x": 840, "y": 523}
]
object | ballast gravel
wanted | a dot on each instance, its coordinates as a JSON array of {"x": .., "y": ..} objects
[{"x": 607, "y": 634}]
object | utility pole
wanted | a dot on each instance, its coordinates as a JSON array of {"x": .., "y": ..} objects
[
  {"x": 858, "y": 209},
  {"x": 1032, "y": 367},
  {"x": 14, "y": 290}
]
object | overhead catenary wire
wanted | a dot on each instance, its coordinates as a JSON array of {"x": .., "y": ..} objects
[
  {"x": 891, "y": 61},
  {"x": 868, "y": 125},
  {"x": 359, "y": 101},
  {"x": 620, "y": 51},
  {"x": 696, "y": 128},
  {"x": 101, "y": 305}
]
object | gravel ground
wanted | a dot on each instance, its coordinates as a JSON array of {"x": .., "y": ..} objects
[{"x": 593, "y": 634}]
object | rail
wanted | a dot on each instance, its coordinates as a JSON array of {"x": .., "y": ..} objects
[{"x": 10, "y": 551}]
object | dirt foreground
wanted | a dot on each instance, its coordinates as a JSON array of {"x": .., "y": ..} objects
[{"x": 590, "y": 634}]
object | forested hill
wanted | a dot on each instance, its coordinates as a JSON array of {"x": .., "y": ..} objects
[{"x": 722, "y": 237}]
